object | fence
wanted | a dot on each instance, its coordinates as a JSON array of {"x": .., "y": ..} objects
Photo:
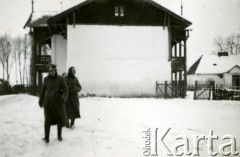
[
  {"x": 203, "y": 90},
  {"x": 170, "y": 90},
  {"x": 227, "y": 93},
  {"x": 208, "y": 90}
]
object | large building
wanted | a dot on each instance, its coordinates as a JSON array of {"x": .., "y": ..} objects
[
  {"x": 224, "y": 70},
  {"x": 119, "y": 47}
]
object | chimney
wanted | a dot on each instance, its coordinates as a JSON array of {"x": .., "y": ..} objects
[{"x": 222, "y": 54}]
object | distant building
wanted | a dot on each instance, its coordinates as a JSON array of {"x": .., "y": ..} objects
[
  {"x": 221, "y": 68},
  {"x": 119, "y": 47}
]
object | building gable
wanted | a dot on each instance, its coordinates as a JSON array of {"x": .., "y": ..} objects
[
  {"x": 118, "y": 12},
  {"x": 194, "y": 67},
  {"x": 213, "y": 64},
  {"x": 234, "y": 70}
]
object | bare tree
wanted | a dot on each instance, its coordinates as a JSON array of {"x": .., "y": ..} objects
[
  {"x": 230, "y": 43},
  {"x": 220, "y": 43},
  {"x": 6, "y": 49},
  {"x": 237, "y": 43},
  {"x": 27, "y": 46},
  {"x": 2, "y": 62},
  {"x": 15, "y": 60},
  {"x": 18, "y": 48}
]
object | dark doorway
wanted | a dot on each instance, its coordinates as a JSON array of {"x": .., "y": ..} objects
[{"x": 236, "y": 81}]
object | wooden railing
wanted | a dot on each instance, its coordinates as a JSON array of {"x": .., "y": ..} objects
[
  {"x": 43, "y": 59},
  {"x": 178, "y": 63}
]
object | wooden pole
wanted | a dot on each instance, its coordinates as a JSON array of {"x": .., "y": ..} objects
[
  {"x": 185, "y": 66},
  {"x": 156, "y": 88},
  {"x": 176, "y": 84},
  {"x": 213, "y": 90},
  {"x": 210, "y": 89},
  {"x": 165, "y": 90},
  {"x": 175, "y": 50},
  {"x": 180, "y": 49},
  {"x": 195, "y": 90},
  {"x": 74, "y": 19}
]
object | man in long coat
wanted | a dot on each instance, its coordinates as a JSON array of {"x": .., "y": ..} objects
[
  {"x": 52, "y": 98},
  {"x": 72, "y": 103}
]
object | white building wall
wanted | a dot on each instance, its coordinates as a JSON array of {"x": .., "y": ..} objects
[
  {"x": 59, "y": 53},
  {"x": 228, "y": 76},
  {"x": 119, "y": 60},
  {"x": 228, "y": 79},
  {"x": 204, "y": 78}
]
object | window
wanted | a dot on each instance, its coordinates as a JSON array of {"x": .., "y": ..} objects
[
  {"x": 116, "y": 11},
  {"x": 119, "y": 11}
]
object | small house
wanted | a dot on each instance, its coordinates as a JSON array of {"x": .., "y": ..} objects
[{"x": 223, "y": 69}]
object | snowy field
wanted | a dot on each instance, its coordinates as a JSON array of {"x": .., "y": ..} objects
[{"x": 113, "y": 127}]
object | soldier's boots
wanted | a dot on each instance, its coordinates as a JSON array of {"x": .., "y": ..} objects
[
  {"x": 46, "y": 140},
  {"x": 59, "y": 130},
  {"x": 60, "y": 138}
]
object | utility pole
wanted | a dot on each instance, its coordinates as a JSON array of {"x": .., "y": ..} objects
[
  {"x": 32, "y": 6},
  {"x": 61, "y": 5},
  {"x": 181, "y": 8}
]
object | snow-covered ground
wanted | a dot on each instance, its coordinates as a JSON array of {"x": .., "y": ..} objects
[{"x": 113, "y": 127}]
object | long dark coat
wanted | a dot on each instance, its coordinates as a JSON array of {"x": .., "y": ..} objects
[
  {"x": 72, "y": 103},
  {"x": 53, "y": 96}
]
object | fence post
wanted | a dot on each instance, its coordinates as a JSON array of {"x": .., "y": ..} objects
[
  {"x": 210, "y": 89},
  {"x": 156, "y": 88},
  {"x": 213, "y": 91},
  {"x": 195, "y": 91},
  {"x": 165, "y": 89},
  {"x": 176, "y": 88}
]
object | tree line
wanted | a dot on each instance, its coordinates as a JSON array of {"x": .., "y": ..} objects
[
  {"x": 15, "y": 53},
  {"x": 230, "y": 44}
]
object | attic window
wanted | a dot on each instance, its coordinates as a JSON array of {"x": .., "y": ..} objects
[
  {"x": 214, "y": 64},
  {"x": 119, "y": 11}
]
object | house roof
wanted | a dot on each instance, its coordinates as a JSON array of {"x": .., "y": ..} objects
[
  {"x": 236, "y": 66},
  {"x": 62, "y": 14},
  {"x": 169, "y": 12},
  {"x": 213, "y": 64},
  {"x": 194, "y": 67},
  {"x": 39, "y": 19}
]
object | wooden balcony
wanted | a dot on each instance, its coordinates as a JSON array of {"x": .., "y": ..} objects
[
  {"x": 178, "y": 63},
  {"x": 42, "y": 61}
]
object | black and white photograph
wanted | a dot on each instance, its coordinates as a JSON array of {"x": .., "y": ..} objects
[{"x": 119, "y": 78}]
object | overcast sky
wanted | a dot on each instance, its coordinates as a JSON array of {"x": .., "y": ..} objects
[{"x": 210, "y": 18}]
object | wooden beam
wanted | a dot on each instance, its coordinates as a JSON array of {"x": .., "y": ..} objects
[
  {"x": 169, "y": 38},
  {"x": 165, "y": 21},
  {"x": 74, "y": 22},
  {"x": 185, "y": 66},
  {"x": 176, "y": 84},
  {"x": 175, "y": 50},
  {"x": 180, "y": 49}
]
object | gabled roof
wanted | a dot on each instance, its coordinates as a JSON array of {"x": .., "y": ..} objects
[
  {"x": 194, "y": 67},
  {"x": 64, "y": 13},
  {"x": 237, "y": 66},
  {"x": 213, "y": 64},
  {"x": 39, "y": 19},
  {"x": 169, "y": 12}
]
